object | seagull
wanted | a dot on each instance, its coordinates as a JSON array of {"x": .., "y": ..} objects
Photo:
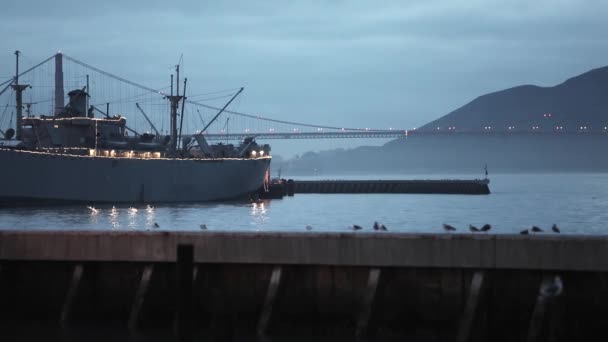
[
  {"x": 93, "y": 210},
  {"x": 555, "y": 229},
  {"x": 357, "y": 227},
  {"x": 378, "y": 226},
  {"x": 536, "y": 229},
  {"x": 472, "y": 228},
  {"x": 203, "y": 226},
  {"x": 448, "y": 227},
  {"x": 156, "y": 225},
  {"x": 524, "y": 232},
  {"x": 308, "y": 227},
  {"x": 553, "y": 289},
  {"x": 486, "y": 227}
]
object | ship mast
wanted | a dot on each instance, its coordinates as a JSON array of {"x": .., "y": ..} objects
[
  {"x": 19, "y": 88},
  {"x": 174, "y": 99}
]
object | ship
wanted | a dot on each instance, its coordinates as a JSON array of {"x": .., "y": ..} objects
[{"x": 72, "y": 156}]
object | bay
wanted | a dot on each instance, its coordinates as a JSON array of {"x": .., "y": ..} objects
[{"x": 576, "y": 202}]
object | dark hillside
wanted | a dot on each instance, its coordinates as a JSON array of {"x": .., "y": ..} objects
[{"x": 581, "y": 101}]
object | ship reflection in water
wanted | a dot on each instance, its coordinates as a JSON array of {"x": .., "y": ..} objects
[
  {"x": 259, "y": 214},
  {"x": 132, "y": 219},
  {"x": 150, "y": 217},
  {"x": 169, "y": 217},
  {"x": 114, "y": 218}
]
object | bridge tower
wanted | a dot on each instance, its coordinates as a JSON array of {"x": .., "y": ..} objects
[{"x": 59, "y": 105}]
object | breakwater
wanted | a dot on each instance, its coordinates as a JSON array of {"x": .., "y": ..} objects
[
  {"x": 242, "y": 286},
  {"x": 447, "y": 186}
]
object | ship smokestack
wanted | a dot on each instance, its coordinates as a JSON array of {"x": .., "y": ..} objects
[
  {"x": 78, "y": 103},
  {"x": 59, "y": 84}
]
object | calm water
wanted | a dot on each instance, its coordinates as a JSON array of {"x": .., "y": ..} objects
[{"x": 578, "y": 203}]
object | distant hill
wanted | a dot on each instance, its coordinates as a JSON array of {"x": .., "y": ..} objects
[
  {"x": 579, "y": 105},
  {"x": 581, "y": 101},
  {"x": 461, "y": 153}
]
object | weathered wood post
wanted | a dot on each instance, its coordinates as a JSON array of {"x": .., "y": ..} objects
[{"x": 185, "y": 261}]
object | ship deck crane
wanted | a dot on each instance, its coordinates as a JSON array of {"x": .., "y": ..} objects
[
  {"x": 147, "y": 118},
  {"x": 215, "y": 117}
]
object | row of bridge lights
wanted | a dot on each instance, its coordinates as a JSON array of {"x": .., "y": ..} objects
[
  {"x": 450, "y": 128},
  {"x": 246, "y": 130},
  {"x": 534, "y": 128},
  {"x": 318, "y": 129}
]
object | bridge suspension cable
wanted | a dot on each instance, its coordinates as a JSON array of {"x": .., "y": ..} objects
[
  {"x": 196, "y": 103},
  {"x": 10, "y": 80},
  {"x": 5, "y": 85},
  {"x": 118, "y": 78},
  {"x": 257, "y": 117}
]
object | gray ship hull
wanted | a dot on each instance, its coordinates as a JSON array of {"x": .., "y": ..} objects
[{"x": 46, "y": 178}]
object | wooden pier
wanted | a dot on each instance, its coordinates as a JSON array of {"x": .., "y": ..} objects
[{"x": 240, "y": 286}]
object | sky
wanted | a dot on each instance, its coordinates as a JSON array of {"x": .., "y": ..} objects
[{"x": 376, "y": 64}]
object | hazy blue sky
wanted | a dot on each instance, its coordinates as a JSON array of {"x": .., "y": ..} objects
[{"x": 341, "y": 63}]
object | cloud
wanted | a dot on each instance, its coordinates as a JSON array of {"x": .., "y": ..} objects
[{"x": 367, "y": 63}]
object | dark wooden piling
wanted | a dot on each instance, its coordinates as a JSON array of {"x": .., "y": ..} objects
[
  {"x": 367, "y": 302},
  {"x": 69, "y": 299},
  {"x": 185, "y": 276},
  {"x": 273, "y": 285},
  {"x": 470, "y": 307},
  {"x": 291, "y": 187},
  {"x": 139, "y": 297}
]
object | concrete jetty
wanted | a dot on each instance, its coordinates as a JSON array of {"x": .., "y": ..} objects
[
  {"x": 430, "y": 186},
  {"x": 368, "y": 285}
]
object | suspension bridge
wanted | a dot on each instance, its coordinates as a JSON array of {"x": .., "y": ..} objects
[{"x": 148, "y": 109}]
